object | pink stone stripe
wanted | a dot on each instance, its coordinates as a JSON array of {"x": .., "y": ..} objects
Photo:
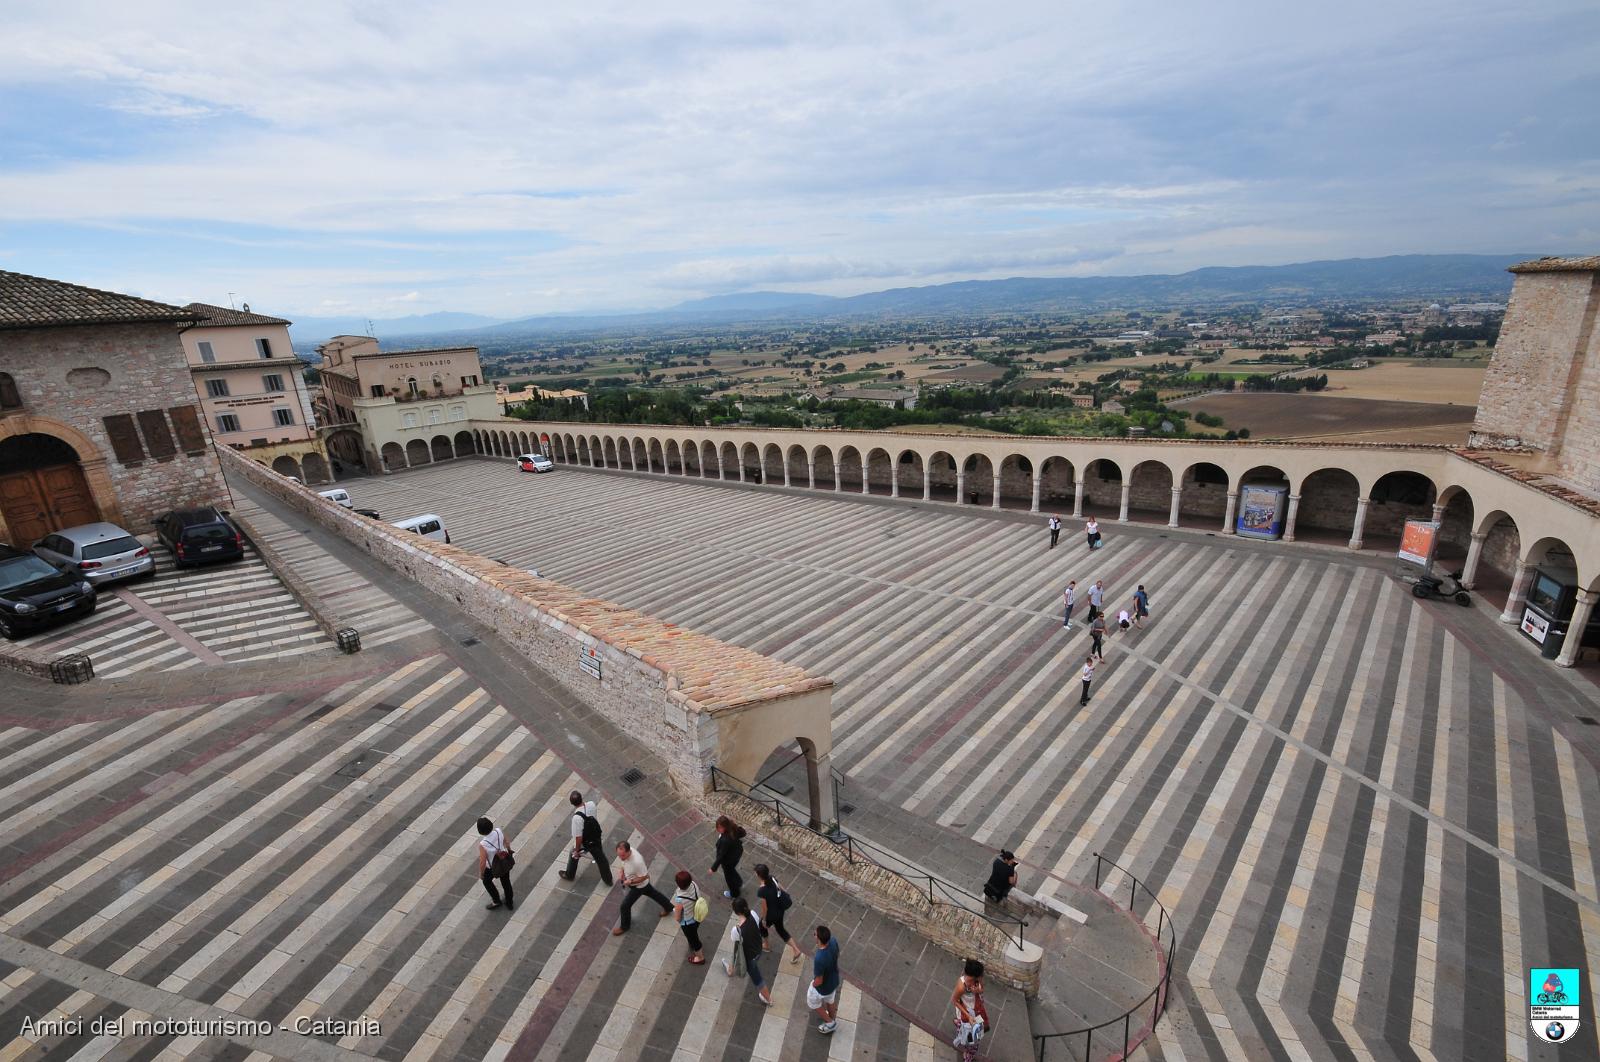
[{"x": 175, "y": 632}]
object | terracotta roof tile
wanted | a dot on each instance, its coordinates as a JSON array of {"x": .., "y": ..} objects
[
  {"x": 35, "y": 302},
  {"x": 226, "y": 315}
]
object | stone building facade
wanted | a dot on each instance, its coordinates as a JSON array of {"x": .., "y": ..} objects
[{"x": 98, "y": 418}]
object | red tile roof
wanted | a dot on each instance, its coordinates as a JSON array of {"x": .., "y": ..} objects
[
  {"x": 35, "y": 302},
  {"x": 224, "y": 315}
]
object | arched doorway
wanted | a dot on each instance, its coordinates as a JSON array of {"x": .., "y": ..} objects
[
  {"x": 880, "y": 471},
  {"x": 1016, "y": 482},
  {"x": 286, "y": 466},
  {"x": 822, "y": 464},
  {"x": 344, "y": 447},
  {"x": 978, "y": 481},
  {"x": 849, "y": 468},
  {"x": 441, "y": 448},
  {"x": 691, "y": 458},
  {"x": 908, "y": 474},
  {"x": 941, "y": 482},
  {"x": 465, "y": 444},
  {"x": 1150, "y": 493},
  {"x": 394, "y": 457},
  {"x": 1102, "y": 488},
  {"x": 316, "y": 469},
  {"x": 772, "y": 464},
  {"x": 42, "y": 488},
  {"x": 417, "y": 452}
]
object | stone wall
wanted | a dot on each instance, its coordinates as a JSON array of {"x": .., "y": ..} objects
[
  {"x": 1525, "y": 385},
  {"x": 79, "y": 375}
]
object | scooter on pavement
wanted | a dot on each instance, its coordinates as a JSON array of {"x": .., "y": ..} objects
[{"x": 1442, "y": 586}]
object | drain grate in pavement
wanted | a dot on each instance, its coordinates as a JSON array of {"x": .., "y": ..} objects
[
  {"x": 469, "y": 641},
  {"x": 320, "y": 712},
  {"x": 632, "y": 776},
  {"x": 1588, "y": 720},
  {"x": 382, "y": 706},
  {"x": 845, "y": 809},
  {"x": 361, "y": 764}
]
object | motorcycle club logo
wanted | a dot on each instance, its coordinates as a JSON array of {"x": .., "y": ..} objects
[{"x": 1553, "y": 1004}]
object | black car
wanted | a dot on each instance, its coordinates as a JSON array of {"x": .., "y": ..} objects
[
  {"x": 200, "y": 536},
  {"x": 34, "y": 594}
]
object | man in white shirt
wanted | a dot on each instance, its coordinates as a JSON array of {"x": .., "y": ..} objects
[
  {"x": 1070, "y": 597},
  {"x": 1097, "y": 598},
  {"x": 635, "y": 874},
  {"x": 586, "y": 837},
  {"x": 1055, "y": 530},
  {"x": 1088, "y": 677}
]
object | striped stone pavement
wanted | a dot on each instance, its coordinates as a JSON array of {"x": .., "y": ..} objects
[
  {"x": 184, "y": 617},
  {"x": 1369, "y": 815}
]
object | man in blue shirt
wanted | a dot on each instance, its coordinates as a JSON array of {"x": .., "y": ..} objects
[{"x": 825, "y": 967}]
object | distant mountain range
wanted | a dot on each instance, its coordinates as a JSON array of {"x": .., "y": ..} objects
[{"x": 1430, "y": 276}]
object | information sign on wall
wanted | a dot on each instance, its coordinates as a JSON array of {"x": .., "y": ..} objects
[
  {"x": 589, "y": 660},
  {"x": 1534, "y": 625}
]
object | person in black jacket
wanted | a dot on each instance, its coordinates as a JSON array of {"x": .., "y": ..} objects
[
  {"x": 1002, "y": 877},
  {"x": 730, "y": 849}
]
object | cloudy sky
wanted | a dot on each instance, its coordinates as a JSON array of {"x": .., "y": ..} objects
[{"x": 386, "y": 157}]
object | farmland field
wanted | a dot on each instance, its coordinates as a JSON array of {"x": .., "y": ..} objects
[
  {"x": 1298, "y": 416},
  {"x": 1417, "y": 381}
]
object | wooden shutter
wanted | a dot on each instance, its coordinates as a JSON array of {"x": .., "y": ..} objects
[
  {"x": 157, "y": 436},
  {"x": 191, "y": 438},
  {"x": 124, "y": 439}
]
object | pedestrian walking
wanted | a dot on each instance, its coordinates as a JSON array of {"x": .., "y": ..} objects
[
  {"x": 586, "y": 837},
  {"x": 1088, "y": 677},
  {"x": 972, "y": 1017},
  {"x": 1070, "y": 597},
  {"x": 1097, "y": 633},
  {"x": 1055, "y": 530},
  {"x": 1002, "y": 877},
  {"x": 774, "y": 902},
  {"x": 635, "y": 874},
  {"x": 690, "y": 908},
  {"x": 747, "y": 934},
  {"x": 1124, "y": 621},
  {"x": 1097, "y": 598},
  {"x": 1141, "y": 606},
  {"x": 495, "y": 860},
  {"x": 730, "y": 849},
  {"x": 823, "y": 995},
  {"x": 1091, "y": 533}
]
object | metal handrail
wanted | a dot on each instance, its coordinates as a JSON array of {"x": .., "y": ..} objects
[
  {"x": 1157, "y": 997},
  {"x": 856, "y": 851}
]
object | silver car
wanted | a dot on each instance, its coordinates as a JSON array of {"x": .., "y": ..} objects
[{"x": 100, "y": 553}]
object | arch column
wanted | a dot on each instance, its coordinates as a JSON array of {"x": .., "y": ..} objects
[
  {"x": 1077, "y": 499},
  {"x": 1122, "y": 509},
  {"x": 1172, "y": 513},
  {"x": 1438, "y": 513},
  {"x": 866, "y": 468},
  {"x": 1294, "y": 511},
  {"x": 1469, "y": 571},
  {"x": 927, "y": 484},
  {"x": 741, "y": 468},
  {"x": 785, "y": 470},
  {"x": 1580, "y": 619},
  {"x": 961, "y": 485},
  {"x": 721, "y": 473},
  {"x": 1038, "y": 485},
  {"x": 838, "y": 480},
  {"x": 1519, "y": 594},
  {"x": 894, "y": 478},
  {"x": 995, "y": 503},
  {"x": 633, "y": 460},
  {"x": 1361, "y": 523},
  {"x": 1233, "y": 508}
]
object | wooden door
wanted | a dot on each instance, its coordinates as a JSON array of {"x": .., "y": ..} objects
[{"x": 39, "y": 501}]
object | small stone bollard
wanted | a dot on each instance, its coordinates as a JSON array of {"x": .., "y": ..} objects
[
  {"x": 349, "y": 639},
  {"x": 71, "y": 669}
]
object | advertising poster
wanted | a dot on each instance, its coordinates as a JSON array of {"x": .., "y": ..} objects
[
  {"x": 1261, "y": 511},
  {"x": 1417, "y": 541}
]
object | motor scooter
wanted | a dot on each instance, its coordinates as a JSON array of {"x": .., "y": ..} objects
[{"x": 1442, "y": 586}]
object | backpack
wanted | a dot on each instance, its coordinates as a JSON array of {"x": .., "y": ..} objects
[
  {"x": 591, "y": 830},
  {"x": 785, "y": 901}
]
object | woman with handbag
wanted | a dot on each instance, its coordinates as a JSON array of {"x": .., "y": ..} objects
[
  {"x": 774, "y": 902},
  {"x": 730, "y": 849},
  {"x": 495, "y": 860},
  {"x": 746, "y": 935},
  {"x": 972, "y": 1017},
  {"x": 690, "y": 909}
]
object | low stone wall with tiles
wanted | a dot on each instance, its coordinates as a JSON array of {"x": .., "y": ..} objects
[
  {"x": 961, "y": 932},
  {"x": 663, "y": 686}
]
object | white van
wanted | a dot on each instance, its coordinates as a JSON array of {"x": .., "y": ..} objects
[
  {"x": 427, "y": 525},
  {"x": 340, "y": 495}
]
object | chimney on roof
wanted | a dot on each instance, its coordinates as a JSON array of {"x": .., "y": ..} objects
[{"x": 246, "y": 307}]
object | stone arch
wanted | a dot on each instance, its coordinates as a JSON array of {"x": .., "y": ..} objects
[
  {"x": 1498, "y": 557},
  {"x": 345, "y": 450},
  {"x": 394, "y": 457},
  {"x": 941, "y": 472},
  {"x": 315, "y": 469},
  {"x": 909, "y": 474},
  {"x": 1102, "y": 488},
  {"x": 691, "y": 458},
  {"x": 641, "y": 455},
  {"x": 880, "y": 471},
  {"x": 750, "y": 463},
  {"x": 544, "y": 443},
  {"x": 442, "y": 450},
  {"x": 1204, "y": 500},
  {"x": 611, "y": 452},
  {"x": 822, "y": 463},
  {"x": 1016, "y": 482},
  {"x": 1454, "y": 510},
  {"x": 464, "y": 444},
  {"x": 417, "y": 453},
  {"x": 772, "y": 464},
  {"x": 1327, "y": 508},
  {"x": 1057, "y": 485},
  {"x": 728, "y": 461},
  {"x": 583, "y": 450},
  {"x": 572, "y": 449},
  {"x": 757, "y": 754},
  {"x": 795, "y": 464},
  {"x": 597, "y": 457},
  {"x": 849, "y": 468},
  {"x": 673, "y": 458},
  {"x": 708, "y": 458},
  {"x": 284, "y": 465},
  {"x": 1394, "y": 498},
  {"x": 658, "y": 460},
  {"x": 1150, "y": 485},
  {"x": 978, "y": 480}
]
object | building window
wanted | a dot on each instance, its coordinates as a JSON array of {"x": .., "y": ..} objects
[
  {"x": 207, "y": 355},
  {"x": 411, "y": 385},
  {"x": 283, "y": 418},
  {"x": 377, "y": 390},
  {"x": 227, "y": 422},
  {"x": 458, "y": 412},
  {"x": 217, "y": 388},
  {"x": 435, "y": 415},
  {"x": 408, "y": 420},
  {"x": 274, "y": 382},
  {"x": 264, "y": 347},
  {"x": 469, "y": 381},
  {"x": 10, "y": 397}
]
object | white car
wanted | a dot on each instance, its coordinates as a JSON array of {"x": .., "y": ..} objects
[{"x": 535, "y": 463}]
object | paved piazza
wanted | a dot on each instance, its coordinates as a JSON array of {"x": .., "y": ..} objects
[{"x": 1369, "y": 815}]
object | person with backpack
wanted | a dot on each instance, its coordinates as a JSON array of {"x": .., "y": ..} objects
[
  {"x": 774, "y": 901},
  {"x": 495, "y": 860},
  {"x": 635, "y": 875},
  {"x": 972, "y": 1017},
  {"x": 690, "y": 909},
  {"x": 1141, "y": 606},
  {"x": 730, "y": 849},
  {"x": 586, "y": 837},
  {"x": 747, "y": 936}
]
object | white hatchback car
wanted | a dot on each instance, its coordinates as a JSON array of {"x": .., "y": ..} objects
[{"x": 535, "y": 463}]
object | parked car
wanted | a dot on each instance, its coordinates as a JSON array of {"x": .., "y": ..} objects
[
  {"x": 339, "y": 496},
  {"x": 427, "y": 525},
  {"x": 535, "y": 463},
  {"x": 101, "y": 553},
  {"x": 200, "y": 536},
  {"x": 35, "y": 594},
  {"x": 370, "y": 514}
]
